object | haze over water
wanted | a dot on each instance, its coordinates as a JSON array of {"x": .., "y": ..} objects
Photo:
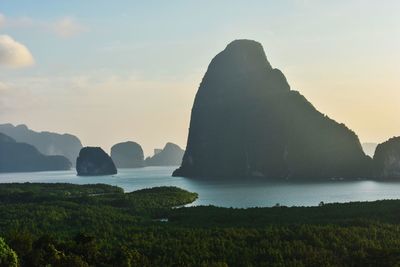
[
  {"x": 133, "y": 68},
  {"x": 233, "y": 193}
]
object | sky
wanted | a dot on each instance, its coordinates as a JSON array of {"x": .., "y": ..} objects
[{"x": 128, "y": 70}]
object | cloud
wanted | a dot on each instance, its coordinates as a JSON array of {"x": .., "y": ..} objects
[
  {"x": 14, "y": 54},
  {"x": 67, "y": 27},
  {"x": 19, "y": 22}
]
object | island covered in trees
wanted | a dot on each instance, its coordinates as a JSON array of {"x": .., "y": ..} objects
[{"x": 100, "y": 225}]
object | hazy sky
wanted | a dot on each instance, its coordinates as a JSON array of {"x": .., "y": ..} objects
[{"x": 111, "y": 71}]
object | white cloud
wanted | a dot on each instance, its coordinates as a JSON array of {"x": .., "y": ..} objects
[
  {"x": 14, "y": 23},
  {"x": 67, "y": 27},
  {"x": 64, "y": 27},
  {"x": 14, "y": 54}
]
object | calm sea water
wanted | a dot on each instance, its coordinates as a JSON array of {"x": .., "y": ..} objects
[{"x": 234, "y": 193}]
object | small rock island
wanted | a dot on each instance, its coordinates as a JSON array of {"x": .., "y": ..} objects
[
  {"x": 387, "y": 159},
  {"x": 94, "y": 161},
  {"x": 127, "y": 155},
  {"x": 170, "y": 155}
]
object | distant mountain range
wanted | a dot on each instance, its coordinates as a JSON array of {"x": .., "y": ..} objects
[
  {"x": 47, "y": 143},
  {"x": 22, "y": 157}
]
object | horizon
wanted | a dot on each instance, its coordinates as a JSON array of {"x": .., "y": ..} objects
[{"x": 130, "y": 72}]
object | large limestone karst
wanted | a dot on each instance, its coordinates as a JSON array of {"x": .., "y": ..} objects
[
  {"x": 170, "y": 155},
  {"x": 246, "y": 121},
  {"x": 94, "y": 161},
  {"x": 127, "y": 155},
  {"x": 387, "y": 159},
  {"x": 21, "y": 157},
  {"x": 46, "y": 142}
]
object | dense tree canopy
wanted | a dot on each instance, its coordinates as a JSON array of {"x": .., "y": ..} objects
[{"x": 100, "y": 225}]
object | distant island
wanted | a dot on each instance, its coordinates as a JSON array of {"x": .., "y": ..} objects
[
  {"x": 22, "y": 157},
  {"x": 387, "y": 159},
  {"x": 130, "y": 154},
  {"x": 94, "y": 161},
  {"x": 247, "y": 122},
  {"x": 127, "y": 155},
  {"x": 47, "y": 143},
  {"x": 65, "y": 149},
  {"x": 170, "y": 155}
]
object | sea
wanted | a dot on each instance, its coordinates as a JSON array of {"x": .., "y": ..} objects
[{"x": 235, "y": 192}]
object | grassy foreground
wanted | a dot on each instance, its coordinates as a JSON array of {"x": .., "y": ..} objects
[{"x": 100, "y": 225}]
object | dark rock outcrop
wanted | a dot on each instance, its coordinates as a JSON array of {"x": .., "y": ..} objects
[
  {"x": 387, "y": 159},
  {"x": 170, "y": 155},
  {"x": 21, "y": 157},
  {"x": 127, "y": 155},
  {"x": 46, "y": 142},
  {"x": 94, "y": 161},
  {"x": 246, "y": 121}
]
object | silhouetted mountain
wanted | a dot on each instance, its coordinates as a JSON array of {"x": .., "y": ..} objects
[
  {"x": 46, "y": 142},
  {"x": 170, "y": 155},
  {"x": 387, "y": 159},
  {"x": 127, "y": 155},
  {"x": 246, "y": 121},
  {"x": 94, "y": 161},
  {"x": 21, "y": 157},
  {"x": 369, "y": 148}
]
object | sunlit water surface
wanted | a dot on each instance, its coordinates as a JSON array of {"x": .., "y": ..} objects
[{"x": 233, "y": 193}]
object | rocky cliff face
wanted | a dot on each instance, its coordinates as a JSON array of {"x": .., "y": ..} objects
[
  {"x": 94, "y": 161},
  {"x": 246, "y": 121},
  {"x": 170, "y": 155},
  {"x": 21, "y": 157},
  {"x": 46, "y": 142},
  {"x": 387, "y": 159},
  {"x": 127, "y": 155}
]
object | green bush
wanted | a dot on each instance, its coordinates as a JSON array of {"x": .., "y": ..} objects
[{"x": 8, "y": 258}]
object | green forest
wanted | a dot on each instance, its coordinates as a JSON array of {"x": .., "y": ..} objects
[{"x": 100, "y": 225}]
